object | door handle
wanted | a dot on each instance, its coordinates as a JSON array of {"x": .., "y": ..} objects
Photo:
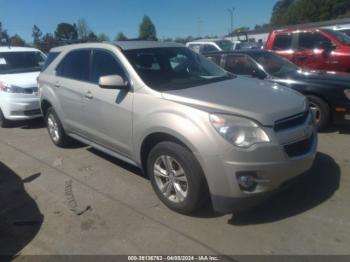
[
  {"x": 57, "y": 85},
  {"x": 89, "y": 95}
]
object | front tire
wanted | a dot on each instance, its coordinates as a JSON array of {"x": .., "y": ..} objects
[
  {"x": 55, "y": 129},
  {"x": 3, "y": 121},
  {"x": 322, "y": 111},
  {"x": 177, "y": 177}
]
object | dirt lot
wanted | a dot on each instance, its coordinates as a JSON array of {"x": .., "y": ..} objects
[{"x": 80, "y": 201}]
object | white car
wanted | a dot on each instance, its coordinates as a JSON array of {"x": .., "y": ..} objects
[
  {"x": 19, "y": 94},
  {"x": 211, "y": 45}
]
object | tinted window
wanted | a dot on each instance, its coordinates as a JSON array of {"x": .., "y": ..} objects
[
  {"x": 20, "y": 62},
  {"x": 240, "y": 65},
  {"x": 214, "y": 58},
  {"x": 312, "y": 40},
  {"x": 75, "y": 65},
  {"x": 174, "y": 68},
  {"x": 104, "y": 64},
  {"x": 50, "y": 57},
  {"x": 283, "y": 42},
  {"x": 196, "y": 48},
  {"x": 210, "y": 48},
  {"x": 225, "y": 45},
  {"x": 341, "y": 36}
]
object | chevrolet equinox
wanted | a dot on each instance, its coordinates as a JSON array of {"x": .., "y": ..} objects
[{"x": 200, "y": 133}]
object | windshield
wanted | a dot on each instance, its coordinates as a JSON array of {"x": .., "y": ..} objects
[
  {"x": 174, "y": 68},
  {"x": 342, "y": 37},
  {"x": 225, "y": 45},
  {"x": 20, "y": 62},
  {"x": 274, "y": 64}
]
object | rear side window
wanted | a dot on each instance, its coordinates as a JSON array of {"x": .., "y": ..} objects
[
  {"x": 75, "y": 65},
  {"x": 312, "y": 40},
  {"x": 209, "y": 48},
  {"x": 50, "y": 57},
  {"x": 240, "y": 65},
  {"x": 283, "y": 42},
  {"x": 104, "y": 64}
]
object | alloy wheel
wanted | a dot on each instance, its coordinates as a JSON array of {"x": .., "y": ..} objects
[{"x": 171, "y": 178}]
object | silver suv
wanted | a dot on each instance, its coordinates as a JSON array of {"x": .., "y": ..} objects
[{"x": 199, "y": 132}]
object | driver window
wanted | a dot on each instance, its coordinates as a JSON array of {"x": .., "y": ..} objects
[
  {"x": 104, "y": 64},
  {"x": 240, "y": 65}
]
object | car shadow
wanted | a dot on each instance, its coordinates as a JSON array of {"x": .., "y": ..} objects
[
  {"x": 344, "y": 130},
  {"x": 20, "y": 217},
  {"x": 28, "y": 124},
  {"x": 133, "y": 169},
  {"x": 312, "y": 189}
]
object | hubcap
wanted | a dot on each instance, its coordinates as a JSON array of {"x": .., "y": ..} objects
[
  {"x": 53, "y": 128},
  {"x": 170, "y": 178},
  {"x": 317, "y": 111}
]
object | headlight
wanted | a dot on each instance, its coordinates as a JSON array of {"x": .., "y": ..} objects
[
  {"x": 10, "y": 88},
  {"x": 347, "y": 93},
  {"x": 239, "y": 131}
]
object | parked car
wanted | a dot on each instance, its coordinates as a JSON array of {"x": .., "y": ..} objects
[
  {"x": 343, "y": 29},
  {"x": 328, "y": 92},
  {"x": 211, "y": 45},
  {"x": 318, "y": 49},
  {"x": 195, "y": 129},
  {"x": 19, "y": 69}
]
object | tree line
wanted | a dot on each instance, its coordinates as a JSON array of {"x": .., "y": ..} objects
[
  {"x": 291, "y": 12},
  {"x": 67, "y": 33}
]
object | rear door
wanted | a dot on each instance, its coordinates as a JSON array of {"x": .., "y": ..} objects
[
  {"x": 71, "y": 84},
  {"x": 107, "y": 113},
  {"x": 310, "y": 54},
  {"x": 283, "y": 45}
]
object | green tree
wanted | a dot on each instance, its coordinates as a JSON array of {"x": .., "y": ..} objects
[
  {"x": 147, "y": 30},
  {"x": 83, "y": 30},
  {"x": 4, "y": 37},
  {"x": 47, "y": 42},
  {"x": 286, "y": 12},
  {"x": 103, "y": 37},
  {"x": 36, "y": 34},
  {"x": 16, "y": 40},
  {"x": 92, "y": 37},
  {"x": 279, "y": 10},
  {"x": 66, "y": 32},
  {"x": 121, "y": 37}
]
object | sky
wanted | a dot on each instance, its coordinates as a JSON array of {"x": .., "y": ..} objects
[{"x": 172, "y": 18}]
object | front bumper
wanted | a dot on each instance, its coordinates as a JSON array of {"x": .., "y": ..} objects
[
  {"x": 21, "y": 108},
  {"x": 270, "y": 163}
]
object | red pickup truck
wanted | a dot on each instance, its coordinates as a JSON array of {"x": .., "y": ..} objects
[{"x": 316, "y": 49}]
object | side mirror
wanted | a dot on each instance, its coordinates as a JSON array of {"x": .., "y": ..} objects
[
  {"x": 327, "y": 47},
  {"x": 259, "y": 74},
  {"x": 112, "y": 82}
]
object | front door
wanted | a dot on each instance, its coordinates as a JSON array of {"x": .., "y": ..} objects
[
  {"x": 108, "y": 112},
  {"x": 310, "y": 53}
]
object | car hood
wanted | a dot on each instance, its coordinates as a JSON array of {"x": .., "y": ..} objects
[
  {"x": 260, "y": 100},
  {"x": 22, "y": 79}
]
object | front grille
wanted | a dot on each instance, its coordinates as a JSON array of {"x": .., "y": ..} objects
[
  {"x": 299, "y": 148},
  {"x": 32, "y": 112},
  {"x": 30, "y": 90},
  {"x": 290, "y": 122}
]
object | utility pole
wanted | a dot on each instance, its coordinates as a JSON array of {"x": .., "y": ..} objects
[{"x": 231, "y": 12}]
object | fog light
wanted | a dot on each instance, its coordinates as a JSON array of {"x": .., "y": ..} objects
[{"x": 247, "y": 181}]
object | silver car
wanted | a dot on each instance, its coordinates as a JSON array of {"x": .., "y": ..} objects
[{"x": 200, "y": 133}]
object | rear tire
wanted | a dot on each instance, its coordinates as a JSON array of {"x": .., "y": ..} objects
[
  {"x": 322, "y": 111},
  {"x": 172, "y": 166},
  {"x": 3, "y": 121},
  {"x": 56, "y": 130}
]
